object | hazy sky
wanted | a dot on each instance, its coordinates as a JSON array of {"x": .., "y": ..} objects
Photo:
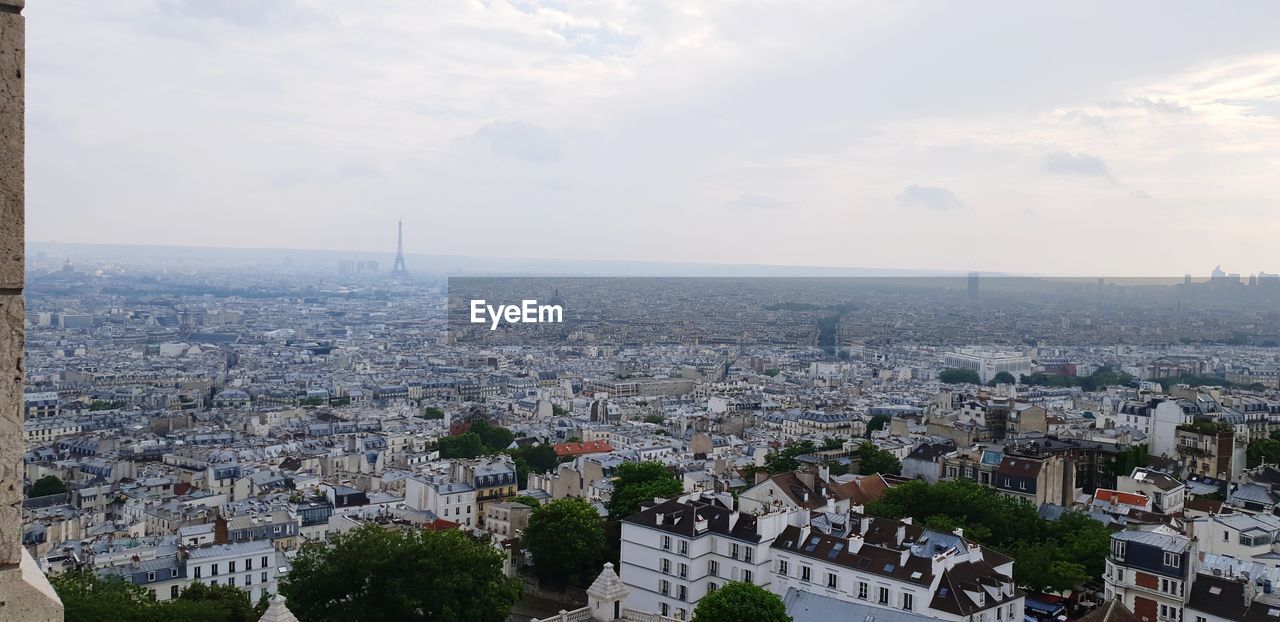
[{"x": 1081, "y": 138}]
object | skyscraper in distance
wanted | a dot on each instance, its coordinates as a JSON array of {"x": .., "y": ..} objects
[{"x": 398, "y": 269}]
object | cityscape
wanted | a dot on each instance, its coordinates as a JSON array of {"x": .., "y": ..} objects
[{"x": 630, "y": 311}]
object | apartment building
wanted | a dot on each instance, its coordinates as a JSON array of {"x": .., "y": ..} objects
[{"x": 675, "y": 552}]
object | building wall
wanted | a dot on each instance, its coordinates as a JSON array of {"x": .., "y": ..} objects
[{"x": 25, "y": 593}]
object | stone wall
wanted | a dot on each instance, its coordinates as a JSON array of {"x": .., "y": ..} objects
[{"x": 25, "y": 593}]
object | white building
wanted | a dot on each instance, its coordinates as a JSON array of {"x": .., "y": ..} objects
[
  {"x": 447, "y": 499},
  {"x": 676, "y": 551},
  {"x": 988, "y": 362},
  {"x": 250, "y": 566},
  {"x": 897, "y": 567}
]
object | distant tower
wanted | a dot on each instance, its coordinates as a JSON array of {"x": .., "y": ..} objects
[
  {"x": 973, "y": 286},
  {"x": 399, "y": 269}
]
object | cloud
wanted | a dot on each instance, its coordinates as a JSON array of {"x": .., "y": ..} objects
[
  {"x": 757, "y": 202},
  {"x": 253, "y": 13},
  {"x": 929, "y": 197},
  {"x": 519, "y": 140},
  {"x": 1063, "y": 163}
]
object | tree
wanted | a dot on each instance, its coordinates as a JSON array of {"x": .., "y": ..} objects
[
  {"x": 47, "y": 485},
  {"x": 658, "y": 419},
  {"x": 431, "y": 412},
  {"x": 86, "y": 597},
  {"x": 494, "y": 437},
  {"x": 834, "y": 442},
  {"x": 566, "y": 539},
  {"x": 784, "y": 460},
  {"x": 1052, "y": 555},
  {"x": 1003, "y": 377},
  {"x": 462, "y": 446},
  {"x": 370, "y": 573},
  {"x": 873, "y": 460},
  {"x": 877, "y": 423},
  {"x": 638, "y": 482},
  {"x": 960, "y": 376},
  {"x": 772, "y": 371},
  {"x": 1265, "y": 450},
  {"x": 227, "y": 598},
  {"x": 737, "y": 601},
  {"x": 527, "y": 500}
]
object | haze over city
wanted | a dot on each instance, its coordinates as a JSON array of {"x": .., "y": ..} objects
[{"x": 1082, "y": 138}]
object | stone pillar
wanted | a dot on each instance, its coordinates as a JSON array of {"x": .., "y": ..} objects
[{"x": 25, "y": 593}]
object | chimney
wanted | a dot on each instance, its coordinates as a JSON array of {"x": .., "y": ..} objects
[{"x": 959, "y": 531}]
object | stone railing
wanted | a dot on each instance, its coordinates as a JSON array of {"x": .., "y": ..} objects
[
  {"x": 631, "y": 615},
  {"x": 577, "y": 615}
]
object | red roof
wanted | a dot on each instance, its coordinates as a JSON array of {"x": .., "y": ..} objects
[
  {"x": 1115, "y": 496},
  {"x": 581, "y": 449}
]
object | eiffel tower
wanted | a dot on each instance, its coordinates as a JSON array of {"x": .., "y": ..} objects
[{"x": 398, "y": 269}]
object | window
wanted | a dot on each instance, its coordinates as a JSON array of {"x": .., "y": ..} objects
[
  {"x": 214, "y": 583},
  {"x": 1226, "y": 536},
  {"x": 231, "y": 566},
  {"x": 264, "y": 561},
  {"x": 862, "y": 590},
  {"x": 711, "y": 587},
  {"x": 197, "y": 572},
  {"x": 713, "y": 568},
  {"x": 806, "y": 574},
  {"x": 682, "y": 592},
  {"x": 684, "y": 547},
  {"x": 264, "y": 577},
  {"x": 908, "y": 601},
  {"x": 666, "y": 609},
  {"x": 747, "y": 554},
  {"x": 782, "y": 567},
  {"x": 666, "y": 566},
  {"x": 883, "y": 596},
  {"x": 173, "y": 591},
  {"x": 213, "y": 570},
  {"x": 151, "y": 576},
  {"x": 831, "y": 580},
  {"x": 248, "y": 579},
  {"x": 666, "y": 543},
  {"x": 746, "y": 576},
  {"x": 1172, "y": 560},
  {"x": 173, "y": 573},
  {"x": 231, "y": 580},
  {"x": 684, "y": 571},
  {"x": 664, "y": 587},
  {"x": 1117, "y": 549},
  {"x": 733, "y": 550}
]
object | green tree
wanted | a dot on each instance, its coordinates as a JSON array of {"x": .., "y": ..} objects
[
  {"x": 877, "y": 423},
  {"x": 47, "y": 485},
  {"x": 494, "y": 437},
  {"x": 527, "y": 500},
  {"x": 834, "y": 442},
  {"x": 461, "y": 446},
  {"x": 960, "y": 376},
  {"x": 784, "y": 460},
  {"x": 226, "y": 598},
  {"x": 86, "y": 597},
  {"x": 658, "y": 419},
  {"x": 1265, "y": 450},
  {"x": 737, "y": 601},
  {"x": 772, "y": 371},
  {"x": 566, "y": 539},
  {"x": 638, "y": 482},
  {"x": 1003, "y": 377},
  {"x": 873, "y": 460},
  {"x": 431, "y": 412},
  {"x": 375, "y": 574}
]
